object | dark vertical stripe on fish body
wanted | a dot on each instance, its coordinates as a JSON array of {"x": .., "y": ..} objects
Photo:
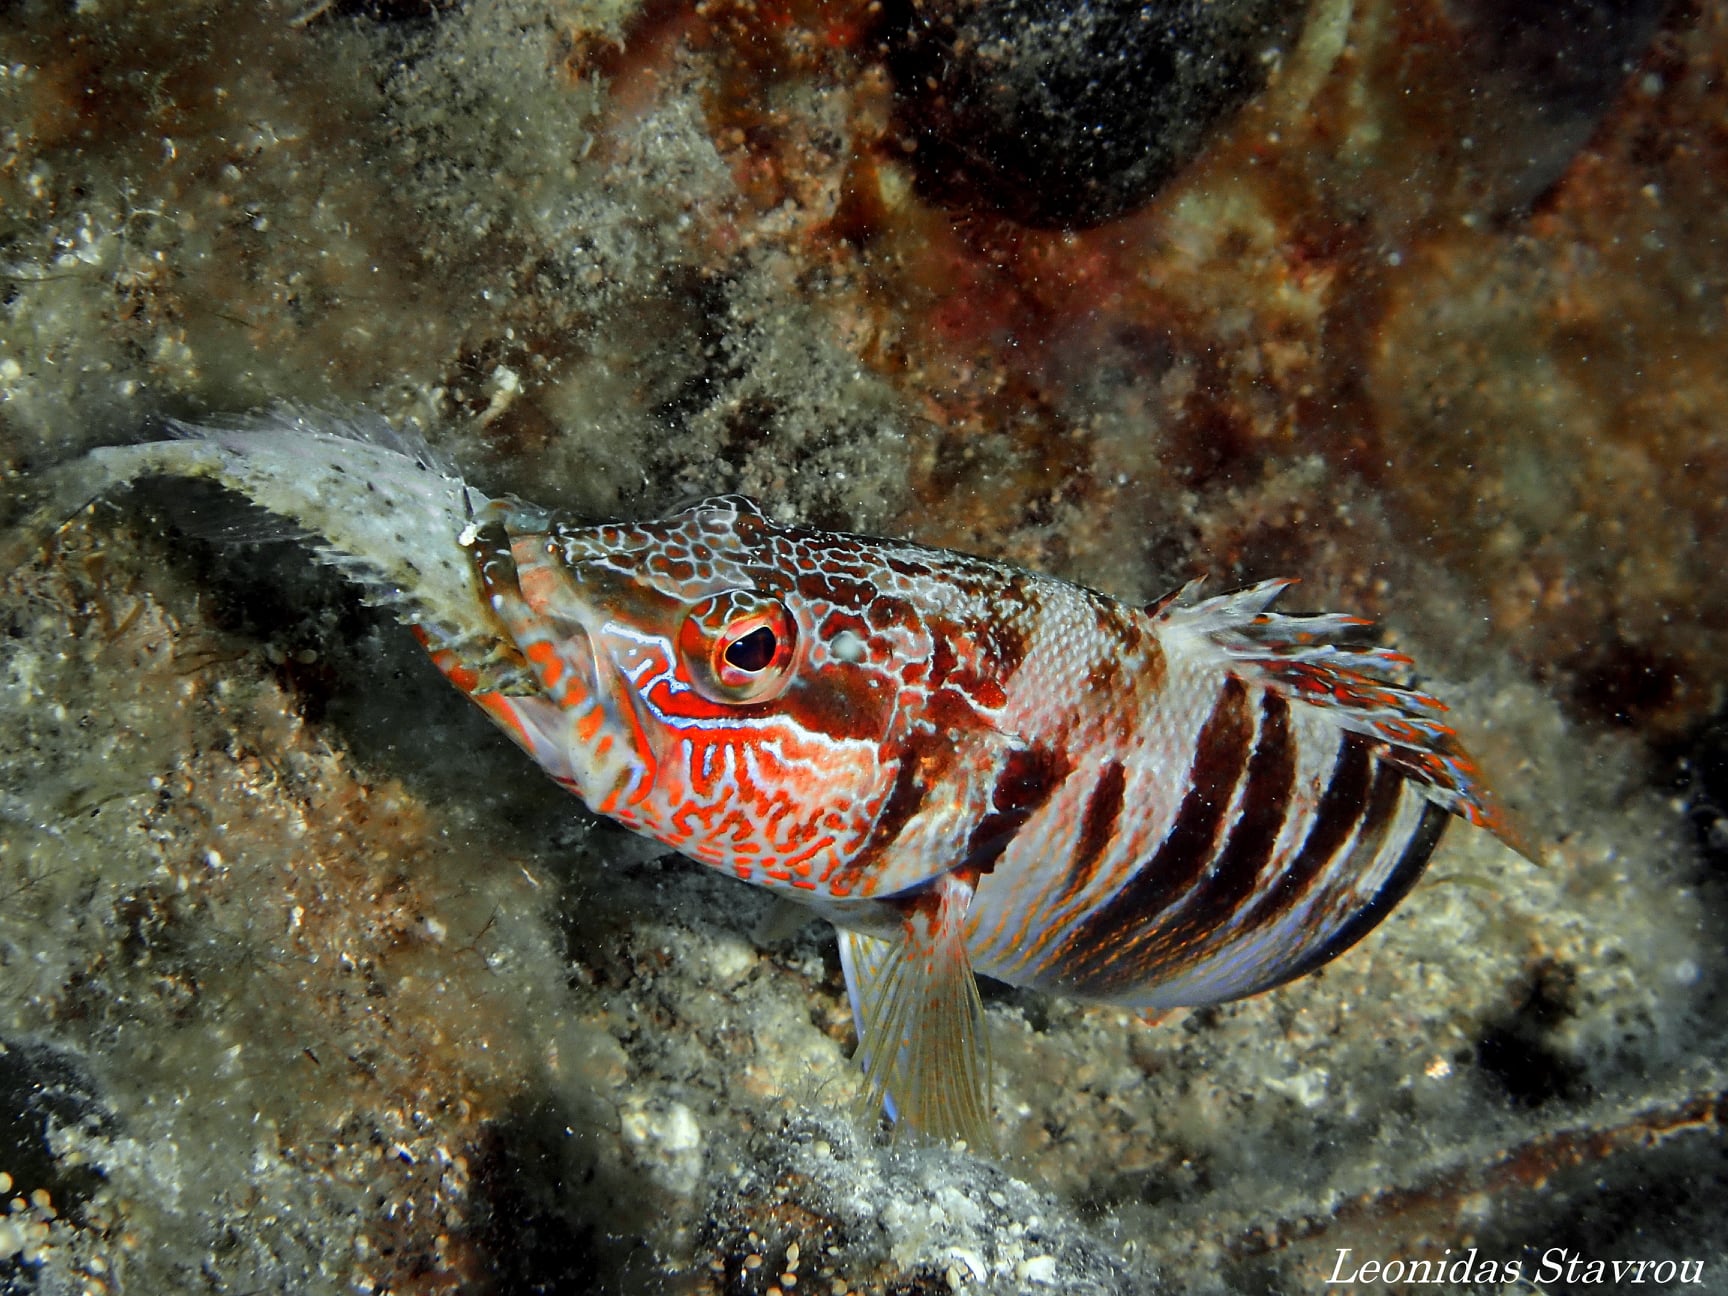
[
  {"x": 1341, "y": 808},
  {"x": 904, "y": 800},
  {"x": 1239, "y": 869},
  {"x": 1414, "y": 858},
  {"x": 1024, "y": 783},
  {"x": 1377, "y": 818},
  {"x": 1097, "y": 827},
  {"x": 1090, "y": 959},
  {"x": 912, "y": 783}
]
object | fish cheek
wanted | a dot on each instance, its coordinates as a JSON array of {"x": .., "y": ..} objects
[{"x": 841, "y": 701}]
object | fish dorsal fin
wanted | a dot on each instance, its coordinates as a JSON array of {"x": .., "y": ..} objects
[
  {"x": 1181, "y": 594},
  {"x": 1310, "y": 659},
  {"x": 921, "y": 1033},
  {"x": 341, "y": 422}
]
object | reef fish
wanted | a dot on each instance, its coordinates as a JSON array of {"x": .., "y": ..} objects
[{"x": 967, "y": 767}]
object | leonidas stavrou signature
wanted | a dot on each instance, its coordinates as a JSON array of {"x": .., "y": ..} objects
[{"x": 1554, "y": 1265}]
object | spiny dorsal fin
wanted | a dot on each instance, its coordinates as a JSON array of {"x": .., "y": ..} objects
[
  {"x": 921, "y": 1034},
  {"x": 299, "y": 418},
  {"x": 1364, "y": 687}
]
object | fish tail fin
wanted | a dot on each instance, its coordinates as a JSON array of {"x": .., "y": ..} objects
[
  {"x": 61, "y": 492},
  {"x": 921, "y": 1032},
  {"x": 1364, "y": 687}
]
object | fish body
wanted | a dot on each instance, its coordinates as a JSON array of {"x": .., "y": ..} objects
[{"x": 964, "y": 765}]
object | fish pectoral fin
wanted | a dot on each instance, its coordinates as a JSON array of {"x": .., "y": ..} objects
[{"x": 921, "y": 1033}]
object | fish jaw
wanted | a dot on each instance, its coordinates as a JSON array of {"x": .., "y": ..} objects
[{"x": 573, "y": 720}]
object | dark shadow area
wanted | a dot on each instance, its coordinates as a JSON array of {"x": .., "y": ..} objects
[
  {"x": 542, "y": 1215},
  {"x": 41, "y": 1086},
  {"x": 1517, "y": 1053}
]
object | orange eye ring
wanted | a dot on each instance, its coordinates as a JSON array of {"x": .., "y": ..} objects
[{"x": 738, "y": 646}]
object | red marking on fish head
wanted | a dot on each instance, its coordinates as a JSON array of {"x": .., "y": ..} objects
[{"x": 739, "y": 682}]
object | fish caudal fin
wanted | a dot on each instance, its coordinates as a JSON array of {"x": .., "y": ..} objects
[
  {"x": 60, "y": 493},
  {"x": 1308, "y": 659},
  {"x": 921, "y": 1032}
]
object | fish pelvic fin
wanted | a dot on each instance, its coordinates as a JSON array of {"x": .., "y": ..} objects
[
  {"x": 1310, "y": 659},
  {"x": 921, "y": 1032}
]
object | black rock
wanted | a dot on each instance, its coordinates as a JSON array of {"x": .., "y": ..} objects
[
  {"x": 1063, "y": 113},
  {"x": 42, "y": 1087},
  {"x": 1546, "y": 74}
]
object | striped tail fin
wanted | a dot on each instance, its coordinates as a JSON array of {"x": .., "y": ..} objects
[{"x": 1364, "y": 687}]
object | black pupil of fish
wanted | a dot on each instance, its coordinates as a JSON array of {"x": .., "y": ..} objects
[{"x": 754, "y": 651}]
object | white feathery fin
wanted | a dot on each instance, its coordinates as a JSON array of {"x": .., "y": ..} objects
[
  {"x": 343, "y": 422},
  {"x": 1363, "y": 687},
  {"x": 369, "y": 499},
  {"x": 921, "y": 1032}
]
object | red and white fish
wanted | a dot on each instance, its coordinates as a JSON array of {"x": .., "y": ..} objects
[{"x": 967, "y": 767}]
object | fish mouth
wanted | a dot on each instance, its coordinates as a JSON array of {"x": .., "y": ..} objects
[
  {"x": 605, "y": 727},
  {"x": 586, "y": 631}
]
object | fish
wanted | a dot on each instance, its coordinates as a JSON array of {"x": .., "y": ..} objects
[{"x": 967, "y": 767}]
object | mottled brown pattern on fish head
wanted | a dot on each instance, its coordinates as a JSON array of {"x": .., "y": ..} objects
[
  {"x": 839, "y": 702},
  {"x": 828, "y": 586},
  {"x": 978, "y": 657},
  {"x": 960, "y": 665}
]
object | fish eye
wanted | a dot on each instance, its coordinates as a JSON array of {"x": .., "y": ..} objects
[
  {"x": 738, "y": 646},
  {"x": 754, "y": 652}
]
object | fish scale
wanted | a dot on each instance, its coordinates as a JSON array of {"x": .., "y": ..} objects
[{"x": 964, "y": 765}]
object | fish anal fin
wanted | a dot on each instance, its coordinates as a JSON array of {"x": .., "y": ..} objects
[{"x": 921, "y": 1031}]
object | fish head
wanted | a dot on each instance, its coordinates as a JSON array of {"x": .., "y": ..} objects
[{"x": 706, "y": 680}]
